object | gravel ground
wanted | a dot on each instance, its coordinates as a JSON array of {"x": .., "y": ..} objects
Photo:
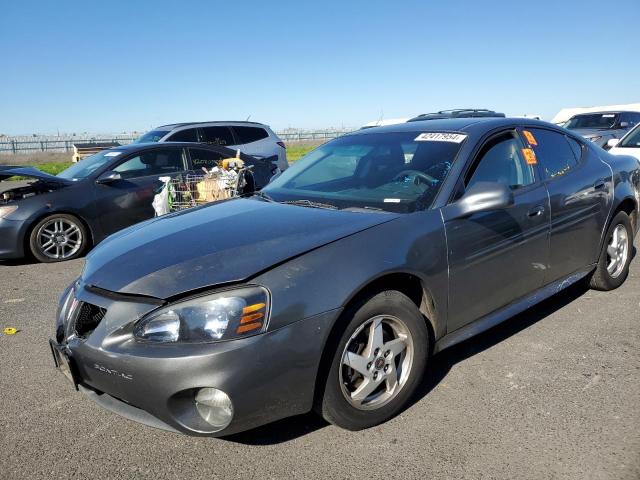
[{"x": 552, "y": 393}]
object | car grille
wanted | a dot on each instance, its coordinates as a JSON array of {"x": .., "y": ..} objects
[{"x": 88, "y": 317}]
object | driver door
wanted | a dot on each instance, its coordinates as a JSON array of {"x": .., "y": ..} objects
[
  {"x": 128, "y": 201},
  {"x": 497, "y": 257}
]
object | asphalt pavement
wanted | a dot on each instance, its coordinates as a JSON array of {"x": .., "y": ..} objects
[{"x": 552, "y": 393}]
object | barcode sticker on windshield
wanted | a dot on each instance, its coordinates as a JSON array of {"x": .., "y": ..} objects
[
  {"x": 112, "y": 154},
  {"x": 440, "y": 137}
]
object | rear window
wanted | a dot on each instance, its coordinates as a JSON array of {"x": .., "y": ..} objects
[
  {"x": 217, "y": 135},
  {"x": 152, "y": 136},
  {"x": 188, "y": 135},
  {"x": 250, "y": 134},
  {"x": 204, "y": 158},
  {"x": 593, "y": 120}
]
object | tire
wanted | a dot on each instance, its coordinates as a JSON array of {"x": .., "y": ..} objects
[
  {"x": 610, "y": 273},
  {"x": 344, "y": 400},
  {"x": 58, "y": 238}
]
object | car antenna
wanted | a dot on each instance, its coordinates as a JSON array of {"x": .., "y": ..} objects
[{"x": 248, "y": 118}]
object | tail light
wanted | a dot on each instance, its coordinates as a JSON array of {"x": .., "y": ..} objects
[{"x": 282, "y": 144}]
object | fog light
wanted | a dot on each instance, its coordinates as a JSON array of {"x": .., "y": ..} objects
[{"x": 215, "y": 407}]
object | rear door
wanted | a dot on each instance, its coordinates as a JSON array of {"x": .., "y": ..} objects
[
  {"x": 186, "y": 135},
  {"x": 499, "y": 256},
  {"x": 129, "y": 200},
  {"x": 579, "y": 186},
  {"x": 217, "y": 135}
]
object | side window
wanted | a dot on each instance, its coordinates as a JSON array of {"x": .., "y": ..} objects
[
  {"x": 632, "y": 118},
  {"x": 250, "y": 134},
  {"x": 204, "y": 158},
  {"x": 554, "y": 152},
  {"x": 188, "y": 135},
  {"x": 217, "y": 135},
  {"x": 576, "y": 147},
  {"x": 161, "y": 161},
  {"x": 502, "y": 160}
]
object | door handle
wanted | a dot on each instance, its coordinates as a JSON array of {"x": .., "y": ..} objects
[
  {"x": 536, "y": 211},
  {"x": 599, "y": 185}
]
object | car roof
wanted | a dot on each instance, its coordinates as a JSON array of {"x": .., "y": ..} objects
[
  {"x": 171, "y": 126},
  {"x": 602, "y": 112},
  {"x": 142, "y": 146},
  {"x": 454, "y": 125}
]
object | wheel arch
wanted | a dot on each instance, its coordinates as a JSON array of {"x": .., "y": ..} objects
[
  {"x": 629, "y": 206},
  {"x": 404, "y": 282},
  {"x": 43, "y": 215}
]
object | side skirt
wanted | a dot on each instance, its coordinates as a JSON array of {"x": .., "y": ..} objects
[{"x": 514, "y": 308}]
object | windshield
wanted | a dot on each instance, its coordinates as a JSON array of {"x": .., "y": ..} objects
[
  {"x": 395, "y": 172},
  {"x": 632, "y": 140},
  {"x": 152, "y": 136},
  {"x": 592, "y": 120},
  {"x": 87, "y": 166}
]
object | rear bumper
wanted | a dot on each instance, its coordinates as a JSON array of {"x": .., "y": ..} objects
[
  {"x": 268, "y": 376},
  {"x": 11, "y": 239}
]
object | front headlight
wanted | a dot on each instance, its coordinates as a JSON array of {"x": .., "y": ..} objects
[
  {"x": 7, "y": 210},
  {"x": 220, "y": 316}
]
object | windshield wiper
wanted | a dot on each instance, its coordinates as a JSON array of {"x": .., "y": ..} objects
[
  {"x": 265, "y": 196},
  {"x": 309, "y": 203}
]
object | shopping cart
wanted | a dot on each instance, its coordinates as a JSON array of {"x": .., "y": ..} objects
[{"x": 192, "y": 190}]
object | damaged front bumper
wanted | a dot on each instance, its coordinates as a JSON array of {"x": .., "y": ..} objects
[{"x": 267, "y": 376}]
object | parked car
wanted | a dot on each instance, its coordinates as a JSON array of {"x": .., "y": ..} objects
[
  {"x": 627, "y": 145},
  {"x": 252, "y": 138},
  {"x": 60, "y": 217},
  {"x": 332, "y": 287},
  {"x": 600, "y": 127}
]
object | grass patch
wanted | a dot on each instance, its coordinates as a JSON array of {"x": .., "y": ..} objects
[
  {"x": 295, "y": 151},
  {"x": 53, "y": 168}
]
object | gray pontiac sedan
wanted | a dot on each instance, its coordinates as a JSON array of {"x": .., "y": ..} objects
[{"x": 332, "y": 287}]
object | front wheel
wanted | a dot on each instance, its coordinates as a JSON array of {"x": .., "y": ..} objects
[
  {"x": 57, "y": 238},
  {"x": 377, "y": 364},
  {"x": 613, "y": 264}
]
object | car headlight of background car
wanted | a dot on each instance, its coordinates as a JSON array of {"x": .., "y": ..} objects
[
  {"x": 219, "y": 316},
  {"x": 595, "y": 139}
]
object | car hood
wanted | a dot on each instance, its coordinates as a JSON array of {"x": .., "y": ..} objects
[
  {"x": 8, "y": 171},
  {"x": 594, "y": 132},
  {"x": 220, "y": 243}
]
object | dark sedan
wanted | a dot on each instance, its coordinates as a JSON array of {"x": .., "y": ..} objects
[
  {"x": 60, "y": 217},
  {"x": 332, "y": 287},
  {"x": 600, "y": 127}
]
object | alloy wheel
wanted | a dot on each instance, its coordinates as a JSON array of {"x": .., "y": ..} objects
[
  {"x": 376, "y": 362},
  {"x": 617, "y": 251},
  {"x": 59, "y": 238}
]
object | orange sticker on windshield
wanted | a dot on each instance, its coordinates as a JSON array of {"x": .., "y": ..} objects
[
  {"x": 529, "y": 156},
  {"x": 530, "y": 138}
]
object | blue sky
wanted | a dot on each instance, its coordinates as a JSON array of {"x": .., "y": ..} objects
[{"x": 116, "y": 66}]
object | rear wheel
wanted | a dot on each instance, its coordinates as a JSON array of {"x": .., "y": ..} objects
[
  {"x": 57, "y": 238},
  {"x": 377, "y": 364},
  {"x": 613, "y": 264}
]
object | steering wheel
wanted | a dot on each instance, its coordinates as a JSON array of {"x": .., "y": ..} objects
[{"x": 417, "y": 176}]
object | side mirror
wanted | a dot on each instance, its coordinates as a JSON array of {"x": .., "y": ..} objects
[
  {"x": 613, "y": 142},
  {"x": 108, "y": 177},
  {"x": 481, "y": 197}
]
